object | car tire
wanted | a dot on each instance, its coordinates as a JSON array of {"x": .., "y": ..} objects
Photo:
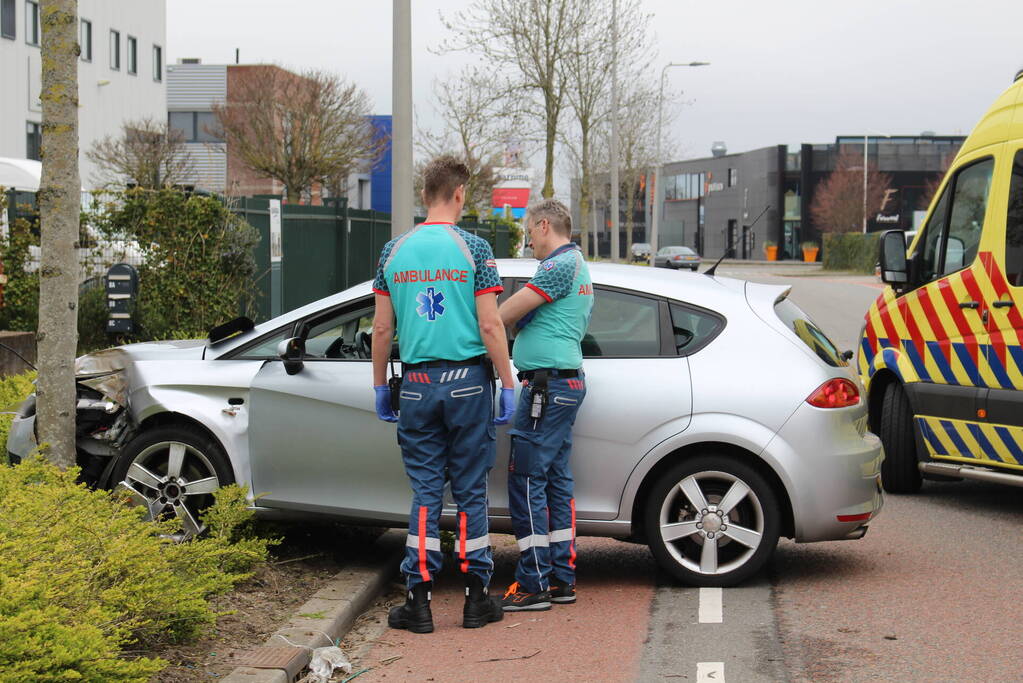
[
  {"x": 899, "y": 470},
  {"x": 173, "y": 470},
  {"x": 675, "y": 508}
]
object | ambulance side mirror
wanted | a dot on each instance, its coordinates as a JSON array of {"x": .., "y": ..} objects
[
  {"x": 291, "y": 352},
  {"x": 894, "y": 269}
]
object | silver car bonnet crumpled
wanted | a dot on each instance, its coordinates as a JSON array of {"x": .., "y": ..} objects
[{"x": 102, "y": 370}]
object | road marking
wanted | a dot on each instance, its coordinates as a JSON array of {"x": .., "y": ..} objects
[
  {"x": 711, "y": 611},
  {"x": 710, "y": 672}
]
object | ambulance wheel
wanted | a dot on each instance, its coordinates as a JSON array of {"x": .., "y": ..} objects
[
  {"x": 712, "y": 520},
  {"x": 899, "y": 470}
]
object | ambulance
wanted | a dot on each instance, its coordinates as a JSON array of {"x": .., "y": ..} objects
[{"x": 941, "y": 354}]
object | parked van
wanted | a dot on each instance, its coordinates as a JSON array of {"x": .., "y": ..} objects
[{"x": 941, "y": 353}]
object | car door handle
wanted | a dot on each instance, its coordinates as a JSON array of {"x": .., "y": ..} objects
[
  {"x": 969, "y": 304},
  {"x": 1004, "y": 304}
]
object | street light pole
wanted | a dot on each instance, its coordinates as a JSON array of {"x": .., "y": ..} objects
[
  {"x": 401, "y": 119},
  {"x": 614, "y": 132},
  {"x": 865, "y": 142},
  {"x": 655, "y": 208}
]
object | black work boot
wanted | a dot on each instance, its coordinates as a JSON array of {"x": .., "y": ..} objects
[
  {"x": 480, "y": 609},
  {"x": 415, "y": 614}
]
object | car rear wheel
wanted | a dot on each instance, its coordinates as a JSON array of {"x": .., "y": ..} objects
[
  {"x": 712, "y": 520},
  {"x": 899, "y": 470},
  {"x": 173, "y": 470}
]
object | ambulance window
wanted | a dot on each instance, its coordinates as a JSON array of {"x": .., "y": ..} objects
[
  {"x": 969, "y": 205},
  {"x": 933, "y": 235},
  {"x": 1014, "y": 225}
]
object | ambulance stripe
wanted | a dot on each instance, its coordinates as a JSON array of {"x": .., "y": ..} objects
[
  {"x": 998, "y": 368},
  {"x": 969, "y": 365},
  {"x": 1002, "y": 289},
  {"x": 952, "y": 305},
  {"x": 917, "y": 360},
  {"x": 866, "y": 350},
  {"x": 985, "y": 446},
  {"x": 942, "y": 362},
  {"x": 912, "y": 328},
  {"x": 891, "y": 362},
  {"x": 1010, "y": 443},
  {"x": 889, "y": 326},
  {"x": 924, "y": 299},
  {"x": 871, "y": 333},
  {"x": 996, "y": 441},
  {"x": 930, "y": 437},
  {"x": 957, "y": 440},
  {"x": 997, "y": 352}
]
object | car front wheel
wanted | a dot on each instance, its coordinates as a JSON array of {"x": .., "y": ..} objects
[
  {"x": 173, "y": 470},
  {"x": 712, "y": 520}
]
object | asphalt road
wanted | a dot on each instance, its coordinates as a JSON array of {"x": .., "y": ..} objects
[{"x": 932, "y": 593}]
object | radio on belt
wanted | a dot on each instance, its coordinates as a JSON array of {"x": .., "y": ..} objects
[{"x": 538, "y": 394}]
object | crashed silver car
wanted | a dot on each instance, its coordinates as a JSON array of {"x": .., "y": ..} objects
[{"x": 718, "y": 417}]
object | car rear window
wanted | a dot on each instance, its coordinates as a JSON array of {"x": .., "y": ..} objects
[{"x": 808, "y": 333}]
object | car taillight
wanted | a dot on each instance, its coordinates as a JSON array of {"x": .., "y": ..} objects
[
  {"x": 677, "y": 257},
  {"x": 835, "y": 393}
]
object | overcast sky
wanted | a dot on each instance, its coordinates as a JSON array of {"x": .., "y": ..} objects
[{"x": 782, "y": 72}]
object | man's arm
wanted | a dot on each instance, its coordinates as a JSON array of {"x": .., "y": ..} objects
[
  {"x": 519, "y": 304},
  {"x": 494, "y": 338},
  {"x": 383, "y": 337}
]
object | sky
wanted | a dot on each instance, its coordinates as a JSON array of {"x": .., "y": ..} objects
[{"x": 781, "y": 72}]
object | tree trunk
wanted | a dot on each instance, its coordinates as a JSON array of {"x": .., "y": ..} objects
[
  {"x": 630, "y": 214},
  {"x": 59, "y": 203},
  {"x": 584, "y": 195},
  {"x": 548, "y": 176}
]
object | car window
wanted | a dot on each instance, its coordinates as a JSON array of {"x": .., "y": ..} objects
[
  {"x": 622, "y": 324},
  {"x": 343, "y": 334},
  {"x": 686, "y": 251},
  {"x": 663, "y": 250},
  {"x": 1014, "y": 225},
  {"x": 933, "y": 234},
  {"x": 808, "y": 332},
  {"x": 693, "y": 328},
  {"x": 264, "y": 348}
]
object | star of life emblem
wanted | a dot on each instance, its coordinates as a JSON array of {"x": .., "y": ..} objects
[
  {"x": 430, "y": 304},
  {"x": 547, "y": 265}
]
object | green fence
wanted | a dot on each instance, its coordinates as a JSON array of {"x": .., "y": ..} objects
[{"x": 326, "y": 249}]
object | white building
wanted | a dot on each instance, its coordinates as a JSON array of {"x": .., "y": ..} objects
[{"x": 121, "y": 73}]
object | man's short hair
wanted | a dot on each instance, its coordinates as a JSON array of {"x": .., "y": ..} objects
[
  {"x": 441, "y": 178},
  {"x": 556, "y": 214}
]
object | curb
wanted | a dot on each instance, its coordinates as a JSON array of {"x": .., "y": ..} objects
[{"x": 340, "y": 603}]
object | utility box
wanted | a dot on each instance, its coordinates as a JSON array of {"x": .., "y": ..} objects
[{"x": 122, "y": 283}]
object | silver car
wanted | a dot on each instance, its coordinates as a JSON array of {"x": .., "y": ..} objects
[
  {"x": 677, "y": 257},
  {"x": 717, "y": 418}
]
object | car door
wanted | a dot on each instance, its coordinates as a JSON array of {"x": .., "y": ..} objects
[
  {"x": 315, "y": 441},
  {"x": 638, "y": 393},
  {"x": 1004, "y": 424},
  {"x": 942, "y": 325}
]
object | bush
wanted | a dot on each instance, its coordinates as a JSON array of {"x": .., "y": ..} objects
[
  {"x": 83, "y": 577},
  {"x": 20, "y": 310},
  {"x": 851, "y": 251},
  {"x": 13, "y": 390}
]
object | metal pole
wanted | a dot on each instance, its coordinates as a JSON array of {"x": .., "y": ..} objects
[
  {"x": 401, "y": 119},
  {"x": 615, "y": 255},
  {"x": 864, "y": 184}
]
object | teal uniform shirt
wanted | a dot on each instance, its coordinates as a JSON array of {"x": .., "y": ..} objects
[
  {"x": 433, "y": 274},
  {"x": 552, "y": 338}
]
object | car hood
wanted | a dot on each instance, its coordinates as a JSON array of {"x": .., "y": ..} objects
[{"x": 101, "y": 370}]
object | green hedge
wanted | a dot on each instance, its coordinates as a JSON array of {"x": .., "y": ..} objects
[{"x": 851, "y": 251}]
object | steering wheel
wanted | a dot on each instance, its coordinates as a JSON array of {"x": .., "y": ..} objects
[
  {"x": 363, "y": 345},
  {"x": 336, "y": 349}
]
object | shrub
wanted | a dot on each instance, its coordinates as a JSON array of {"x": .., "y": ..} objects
[
  {"x": 850, "y": 251},
  {"x": 20, "y": 310},
  {"x": 83, "y": 577}
]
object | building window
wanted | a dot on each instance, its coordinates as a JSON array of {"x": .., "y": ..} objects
[
  {"x": 733, "y": 177},
  {"x": 133, "y": 55},
  {"x": 85, "y": 40},
  {"x": 33, "y": 141},
  {"x": 115, "y": 50},
  {"x": 31, "y": 22},
  {"x": 157, "y": 63},
  {"x": 8, "y": 22},
  {"x": 195, "y": 126}
]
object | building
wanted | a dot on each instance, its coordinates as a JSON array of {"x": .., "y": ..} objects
[
  {"x": 711, "y": 203},
  {"x": 193, "y": 90},
  {"x": 120, "y": 74}
]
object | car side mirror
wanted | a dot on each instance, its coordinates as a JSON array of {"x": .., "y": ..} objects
[
  {"x": 291, "y": 351},
  {"x": 893, "y": 258}
]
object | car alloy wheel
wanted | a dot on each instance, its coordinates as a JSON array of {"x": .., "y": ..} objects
[
  {"x": 712, "y": 521},
  {"x": 173, "y": 471}
]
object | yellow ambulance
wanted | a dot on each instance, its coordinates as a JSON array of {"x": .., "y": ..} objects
[{"x": 941, "y": 354}]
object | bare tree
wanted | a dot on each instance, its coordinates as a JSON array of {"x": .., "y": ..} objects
[
  {"x": 526, "y": 43},
  {"x": 59, "y": 203},
  {"x": 637, "y": 141},
  {"x": 298, "y": 129},
  {"x": 476, "y": 128},
  {"x": 147, "y": 152},
  {"x": 837, "y": 204}
]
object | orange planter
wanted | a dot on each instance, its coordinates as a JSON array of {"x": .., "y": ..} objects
[
  {"x": 771, "y": 253},
  {"x": 810, "y": 254}
]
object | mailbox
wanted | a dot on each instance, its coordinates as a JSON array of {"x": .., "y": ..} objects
[{"x": 122, "y": 284}]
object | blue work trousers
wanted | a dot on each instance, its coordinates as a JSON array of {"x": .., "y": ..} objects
[
  {"x": 446, "y": 428},
  {"x": 540, "y": 495}
]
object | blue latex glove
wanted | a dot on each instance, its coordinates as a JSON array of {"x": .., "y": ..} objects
[
  {"x": 384, "y": 411},
  {"x": 524, "y": 320},
  {"x": 507, "y": 406}
]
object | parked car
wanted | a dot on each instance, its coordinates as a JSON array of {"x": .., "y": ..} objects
[
  {"x": 686, "y": 441},
  {"x": 641, "y": 251},
  {"x": 677, "y": 257}
]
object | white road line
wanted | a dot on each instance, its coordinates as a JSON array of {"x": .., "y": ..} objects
[
  {"x": 711, "y": 611},
  {"x": 710, "y": 672}
]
